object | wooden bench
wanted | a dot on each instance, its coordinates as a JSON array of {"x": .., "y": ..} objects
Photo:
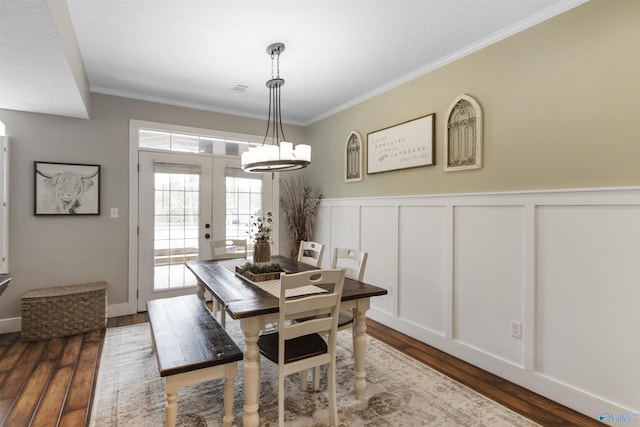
[{"x": 191, "y": 347}]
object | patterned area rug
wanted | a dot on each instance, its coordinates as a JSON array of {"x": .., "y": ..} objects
[{"x": 400, "y": 391}]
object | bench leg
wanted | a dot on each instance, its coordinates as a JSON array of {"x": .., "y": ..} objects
[
  {"x": 231, "y": 369},
  {"x": 171, "y": 409},
  {"x": 173, "y": 383}
]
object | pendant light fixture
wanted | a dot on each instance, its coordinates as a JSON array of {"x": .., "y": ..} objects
[{"x": 278, "y": 155}]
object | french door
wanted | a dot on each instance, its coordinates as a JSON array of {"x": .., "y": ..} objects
[
  {"x": 184, "y": 202},
  {"x": 175, "y": 222}
]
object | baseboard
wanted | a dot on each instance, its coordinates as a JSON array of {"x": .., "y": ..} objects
[
  {"x": 14, "y": 324},
  {"x": 116, "y": 310},
  {"x": 569, "y": 396}
]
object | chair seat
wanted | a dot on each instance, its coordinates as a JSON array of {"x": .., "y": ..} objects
[{"x": 295, "y": 349}]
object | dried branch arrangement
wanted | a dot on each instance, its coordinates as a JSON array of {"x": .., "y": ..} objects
[{"x": 300, "y": 207}]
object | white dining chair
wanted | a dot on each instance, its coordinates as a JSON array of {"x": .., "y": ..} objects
[
  {"x": 226, "y": 249},
  {"x": 298, "y": 346},
  {"x": 310, "y": 253},
  {"x": 354, "y": 263},
  {"x": 351, "y": 260}
]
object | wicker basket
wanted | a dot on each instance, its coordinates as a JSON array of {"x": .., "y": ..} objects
[{"x": 65, "y": 310}]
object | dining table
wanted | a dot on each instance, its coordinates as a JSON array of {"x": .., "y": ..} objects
[{"x": 255, "y": 307}]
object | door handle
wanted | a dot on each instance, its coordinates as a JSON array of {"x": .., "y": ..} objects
[
  {"x": 207, "y": 226},
  {"x": 207, "y": 236}
]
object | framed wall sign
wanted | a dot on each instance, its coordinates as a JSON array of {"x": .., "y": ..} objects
[
  {"x": 66, "y": 189},
  {"x": 407, "y": 145}
]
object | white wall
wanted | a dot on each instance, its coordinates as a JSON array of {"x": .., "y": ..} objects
[{"x": 459, "y": 268}]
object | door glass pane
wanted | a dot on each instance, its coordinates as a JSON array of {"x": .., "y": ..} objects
[
  {"x": 179, "y": 142},
  {"x": 185, "y": 143},
  {"x": 155, "y": 140},
  {"x": 244, "y": 199},
  {"x": 175, "y": 228}
]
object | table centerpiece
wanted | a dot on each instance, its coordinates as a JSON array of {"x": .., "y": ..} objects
[
  {"x": 263, "y": 226},
  {"x": 260, "y": 273}
]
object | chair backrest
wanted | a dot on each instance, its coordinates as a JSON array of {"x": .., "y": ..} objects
[
  {"x": 229, "y": 248},
  {"x": 351, "y": 260},
  {"x": 326, "y": 304},
  {"x": 310, "y": 253}
]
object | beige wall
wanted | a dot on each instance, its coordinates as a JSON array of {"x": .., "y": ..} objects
[
  {"x": 52, "y": 251},
  {"x": 561, "y": 104}
]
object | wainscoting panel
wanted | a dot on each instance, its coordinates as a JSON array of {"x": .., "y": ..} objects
[
  {"x": 322, "y": 234},
  {"x": 563, "y": 264},
  {"x": 379, "y": 238},
  {"x": 588, "y": 294},
  {"x": 487, "y": 278},
  {"x": 422, "y": 293},
  {"x": 345, "y": 228}
]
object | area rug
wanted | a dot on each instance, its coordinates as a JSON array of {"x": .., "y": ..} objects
[{"x": 400, "y": 391}]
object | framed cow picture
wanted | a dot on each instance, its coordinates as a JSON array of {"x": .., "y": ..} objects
[{"x": 66, "y": 189}]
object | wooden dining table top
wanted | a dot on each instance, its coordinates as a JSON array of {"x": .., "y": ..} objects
[{"x": 242, "y": 299}]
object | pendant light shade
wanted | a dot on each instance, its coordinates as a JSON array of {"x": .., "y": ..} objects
[{"x": 279, "y": 155}]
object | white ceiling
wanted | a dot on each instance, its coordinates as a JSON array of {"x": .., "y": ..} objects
[{"x": 194, "y": 52}]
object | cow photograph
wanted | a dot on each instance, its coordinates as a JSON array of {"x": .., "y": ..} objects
[{"x": 66, "y": 189}]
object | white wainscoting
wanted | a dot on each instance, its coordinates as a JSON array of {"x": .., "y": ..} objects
[{"x": 460, "y": 268}]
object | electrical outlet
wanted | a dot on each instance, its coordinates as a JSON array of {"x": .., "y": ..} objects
[
  {"x": 516, "y": 329},
  {"x": 114, "y": 212}
]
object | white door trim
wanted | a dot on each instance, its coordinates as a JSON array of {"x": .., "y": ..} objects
[{"x": 271, "y": 196}]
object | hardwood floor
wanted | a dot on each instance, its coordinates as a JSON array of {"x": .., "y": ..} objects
[
  {"x": 518, "y": 399},
  {"x": 50, "y": 382}
]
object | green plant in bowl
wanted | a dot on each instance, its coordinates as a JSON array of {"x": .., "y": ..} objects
[{"x": 274, "y": 267}]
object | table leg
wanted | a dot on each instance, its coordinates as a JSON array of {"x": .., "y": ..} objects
[
  {"x": 251, "y": 327},
  {"x": 200, "y": 291},
  {"x": 360, "y": 346}
]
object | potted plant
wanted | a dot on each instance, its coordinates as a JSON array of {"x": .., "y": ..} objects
[
  {"x": 263, "y": 226},
  {"x": 259, "y": 273}
]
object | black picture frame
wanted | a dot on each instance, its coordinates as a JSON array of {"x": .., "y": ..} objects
[{"x": 66, "y": 189}]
